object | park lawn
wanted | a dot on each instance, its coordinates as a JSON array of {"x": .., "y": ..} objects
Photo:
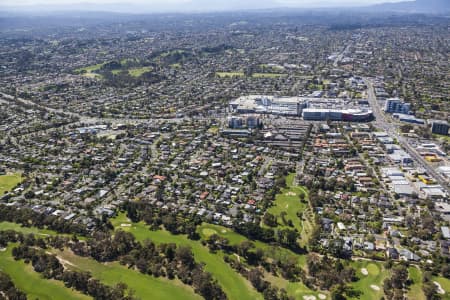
[
  {"x": 167, "y": 53},
  {"x": 9, "y": 181},
  {"x": 92, "y": 75},
  {"x": 213, "y": 129},
  {"x": 230, "y": 74},
  {"x": 136, "y": 72},
  {"x": 445, "y": 284},
  {"x": 376, "y": 276},
  {"x": 144, "y": 286},
  {"x": 268, "y": 75},
  {"x": 443, "y": 137},
  {"x": 31, "y": 282},
  {"x": 415, "y": 289},
  {"x": 128, "y": 60},
  {"x": 90, "y": 69},
  {"x": 234, "y": 285}
]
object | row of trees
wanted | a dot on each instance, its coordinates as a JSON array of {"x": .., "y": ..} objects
[
  {"x": 395, "y": 286},
  {"x": 168, "y": 260},
  {"x": 327, "y": 272},
  {"x": 8, "y": 290},
  {"x": 28, "y": 217},
  {"x": 174, "y": 222}
]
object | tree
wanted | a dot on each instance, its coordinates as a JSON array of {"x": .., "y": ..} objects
[
  {"x": 270, "y": 220},
  {"x": 430, "y": 290},
  {"x": 338, "y": 292},
  {"x": 446, "y": 271},
  {"x": 399, "y": 276}
]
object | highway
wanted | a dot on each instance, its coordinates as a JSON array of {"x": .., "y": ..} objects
[{"x": 392, "y": 130}]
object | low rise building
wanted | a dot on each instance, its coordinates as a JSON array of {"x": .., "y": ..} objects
[
  {"x": 439, "y": 127},
  {"x": 395, "y": 105}
]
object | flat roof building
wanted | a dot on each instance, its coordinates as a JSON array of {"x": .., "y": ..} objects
[
  {"x": 395, "y": 105},
  {"x": 314, "y": 109},
  {"x": 439, "y": 127}
]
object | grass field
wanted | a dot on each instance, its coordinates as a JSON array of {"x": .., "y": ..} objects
[
  {"x": 30, "y": 282},
  {"x": 294, "y": 289},
  {"x": 144, "y": 286},
  {"x": 255, "y": 75},
  {"x": 89, "y": 70},
  {"x": 288, "y": 201},
  {"x": 8, "y": 182},
  {"x": 445, "y": 284},
  {"x": 233, "y": 284},
  {"x": 268, "y": 75},
  {"x": 297, "y": 290},
  {"x": 136, "y": 72},
  {"x": 367, "y": 283},
  {"x": 442, "y": 137},
  {"x": 415, "y": 289},
  {"x": 205, "y": 230},
  {"x": 25, "y": 230},
  {"x": 230, "y": 74}
]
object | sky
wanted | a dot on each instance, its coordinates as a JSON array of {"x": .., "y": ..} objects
[{"x": 181, "y": 5}]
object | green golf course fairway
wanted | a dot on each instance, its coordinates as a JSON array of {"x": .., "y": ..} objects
[
  {"x": 144, "y": 286},
  {"x": 234, "y": 285},
  {"x": 25, "y": 230},
  {"x": 31, "y": 282},
  {"x": 369, "y": 284}
]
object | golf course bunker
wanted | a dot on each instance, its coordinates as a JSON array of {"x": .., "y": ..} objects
[
  {"x": 322, "y": 296},
  {"x": 291, "y": 194},
  {"x": 125, "y": 225},
  {"x": 440, "y": 290},
  {"x": 364, "y": 271},
  {"x": 310, "y": 297},
  {"x": 375, "y": 287}
]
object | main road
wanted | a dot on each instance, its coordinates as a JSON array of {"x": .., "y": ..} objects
[
  {"x": 86, "y": 119},
  {"x": 391, "y": 128}
]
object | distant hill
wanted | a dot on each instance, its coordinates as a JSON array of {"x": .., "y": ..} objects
[
  {"x": 188, "y": 6},
  {"x": 418, "y": 6}
]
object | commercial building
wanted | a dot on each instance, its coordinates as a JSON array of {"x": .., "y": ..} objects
[
  {"x": 439, "y": 127},
  {"x": 310, "y": 108},
  {"x": 349, "y": 115},
  {"x": 235, "y": 122},
  {"x": 250, "y": 122},
  {"x": 395, "y": 105},
  {"x": 268, "y": 105},
  {"x": 408, "y": 119}
]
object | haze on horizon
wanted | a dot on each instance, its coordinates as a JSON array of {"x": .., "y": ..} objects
[{"x": 181, "y": 5}]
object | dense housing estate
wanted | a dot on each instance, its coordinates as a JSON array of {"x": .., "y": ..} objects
[{"x": 226, "y": 156}]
